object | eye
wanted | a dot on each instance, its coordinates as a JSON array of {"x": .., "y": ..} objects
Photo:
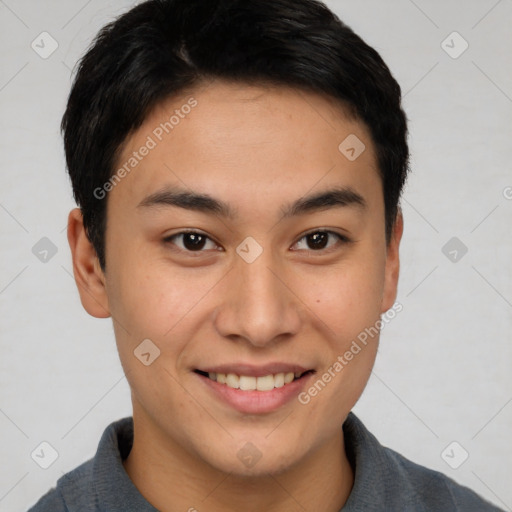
[
  {"x": 320, "y": 240},
  {"x": 191, "y": 241}
]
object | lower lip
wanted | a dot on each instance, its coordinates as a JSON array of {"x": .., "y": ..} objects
[{"x": 256, "y": 402}]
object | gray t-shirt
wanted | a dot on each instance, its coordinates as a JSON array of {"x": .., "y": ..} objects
[{"x": 384, "y": 480}]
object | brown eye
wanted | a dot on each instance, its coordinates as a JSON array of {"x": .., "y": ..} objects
[
  {"x": 191, "y": 241},
  {"x": 317, "y": 240},
  {"x": 320, "y": 240}
]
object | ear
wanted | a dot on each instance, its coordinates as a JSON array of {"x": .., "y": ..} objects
[
  {"x": 89, "y": 277},
  {"x": 392, "y": 264}
]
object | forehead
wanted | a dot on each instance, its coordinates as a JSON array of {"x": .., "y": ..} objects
[{"x": 242, "y": 142}]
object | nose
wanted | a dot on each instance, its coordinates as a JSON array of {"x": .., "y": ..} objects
[{"x": 259, "y": 304}]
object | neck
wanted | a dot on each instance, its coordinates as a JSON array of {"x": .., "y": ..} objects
[{"x": 173, "y": 480}]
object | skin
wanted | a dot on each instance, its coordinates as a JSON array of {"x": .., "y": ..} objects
[{"x": 256, "y": 148}]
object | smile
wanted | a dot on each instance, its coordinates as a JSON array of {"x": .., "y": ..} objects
[{"x": 252, "y": 383}]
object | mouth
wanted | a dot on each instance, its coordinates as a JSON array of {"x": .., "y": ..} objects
[
  {"x": 254, "y": 389},
  {"x": 255, "y": 383}
]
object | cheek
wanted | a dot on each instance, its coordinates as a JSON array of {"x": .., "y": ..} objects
[
  {"x": 347, "y": 304},
  {"x": 347, "y": 299},
  {"x": 153, "y": 302},
  {"x": 153, "y": 298}
]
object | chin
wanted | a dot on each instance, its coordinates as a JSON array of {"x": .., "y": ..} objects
[{"x": 250, "y": 462}]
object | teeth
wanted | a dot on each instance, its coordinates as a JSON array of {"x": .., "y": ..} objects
[
  {"x": 248, "y": 383},
  {"x": 266, "y": 383},
  {"x": 233, "y": 381},
  {"x": 288, "y": 377},
  {"x": 279, "y": 380}
]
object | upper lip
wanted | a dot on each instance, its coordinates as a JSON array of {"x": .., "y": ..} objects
[{"x": 255, "y": 370}]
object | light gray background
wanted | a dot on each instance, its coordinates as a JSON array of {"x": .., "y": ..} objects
[{"x": 443, "y": 370}]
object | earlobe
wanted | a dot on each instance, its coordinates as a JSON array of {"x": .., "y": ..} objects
[
  {"x": 89, "y": 277},
  {"x": 392, "y": 270}
]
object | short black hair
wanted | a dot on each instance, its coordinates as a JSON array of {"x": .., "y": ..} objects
[{"x": 160, "y": 48}]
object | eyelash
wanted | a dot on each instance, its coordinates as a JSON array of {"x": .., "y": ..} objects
[{"x": 342, "y": 239}]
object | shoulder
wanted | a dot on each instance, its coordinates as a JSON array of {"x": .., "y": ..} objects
[
  {"x": 71, "y": 488},
  {"x": 95, "y": 482},
  {"x": 52, "y": 501},
  {"x": 386, "y": 480},
  {"x": 75, "y": 487},
  {"x": 432, "y": 489}
]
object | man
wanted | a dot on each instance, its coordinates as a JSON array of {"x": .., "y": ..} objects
[{"x": 238, "y": 167}]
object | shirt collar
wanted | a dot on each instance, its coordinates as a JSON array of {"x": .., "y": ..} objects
[
  {"x": 116, "y": 492},
  {"x": 374, "y": 475}
]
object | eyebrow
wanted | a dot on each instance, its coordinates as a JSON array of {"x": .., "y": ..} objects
[{"x": 323, "y": 200}]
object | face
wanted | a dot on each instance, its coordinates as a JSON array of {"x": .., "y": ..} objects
[{"x": 251, "y": 252}]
